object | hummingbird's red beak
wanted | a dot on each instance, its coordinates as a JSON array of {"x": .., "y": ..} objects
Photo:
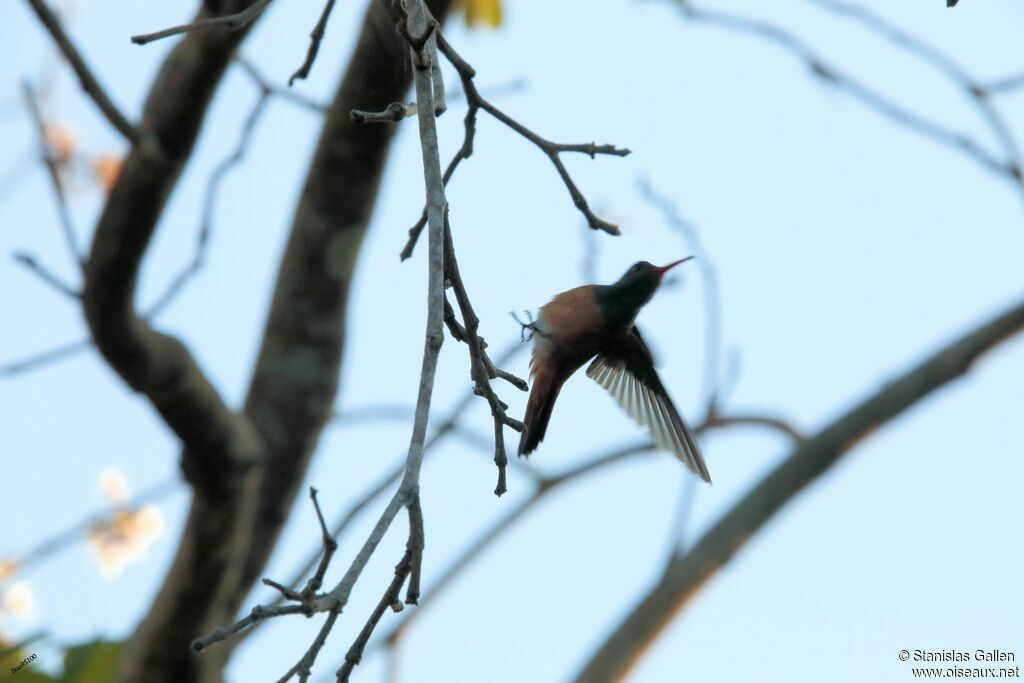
[{"x": 664, "y": 269}]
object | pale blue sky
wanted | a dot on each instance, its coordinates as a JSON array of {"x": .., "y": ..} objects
[{"x": 846, "y": 249}]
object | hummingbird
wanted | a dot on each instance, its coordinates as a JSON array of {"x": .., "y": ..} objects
[{"x": 598, "y": 322}]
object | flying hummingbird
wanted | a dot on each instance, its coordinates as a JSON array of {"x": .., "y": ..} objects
[{"x": 598, "y": 320}]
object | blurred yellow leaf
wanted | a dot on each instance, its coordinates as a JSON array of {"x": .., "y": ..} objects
[{"x": 486, "y": 12}]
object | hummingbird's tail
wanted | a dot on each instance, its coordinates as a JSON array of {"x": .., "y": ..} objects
[{"x": 538, "y": 410}]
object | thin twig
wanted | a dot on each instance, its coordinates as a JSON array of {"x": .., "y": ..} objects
[
  {"x": 482, "y": 370},
  {"x": 315, "y": 37},
  {"x": 303, "y": 603},
  {"x": 684, "y": 507},
  {"x": 415, "y": 545},
  {"x": 257, "y": 614},
  {"x": 553, "y": 150},
  {"x": 234, "y": 159},
  {"x": 436, "y": 79},
  {"x": 389, "y": 600},
  {"x": 857, "y": 89},
  {"x": 330, "y": 545},
  {"x": 1003, "y": 85},
  {"x": 417, "y": 41},
  {"x": 46, "y": 275},
  {"x": 464, "y": 152},
  {"x": 232, "y": 22},
  {"x": 783, "y": 427},
  {"x": 43, "y": 358},
  {"x": 938, "y": 59},
  {"x": 90, "y": 85},
  {"x": 177, "y": 284},
  {"x": 54, "y": 172},
  {"x": 393, "y": 113},
  {"x": 304, "y": 666},
  {"x": 276, "y": 90},
  {"x": 372, "y": 413}
]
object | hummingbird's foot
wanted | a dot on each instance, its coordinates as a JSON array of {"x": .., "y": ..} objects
[{"x": 529, "y": 328}]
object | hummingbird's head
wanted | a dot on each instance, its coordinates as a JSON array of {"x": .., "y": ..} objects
[
  {"x": 644, "y": 269},
  {"x": 644, "y": 276},
  {"x": 635, "y": 288}
]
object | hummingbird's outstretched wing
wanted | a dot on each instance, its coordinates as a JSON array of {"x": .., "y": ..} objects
[{"x": 627, "y": 372}]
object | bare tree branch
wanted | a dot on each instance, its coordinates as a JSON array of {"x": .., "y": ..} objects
[
  {"x": 941, "y": 61},
  {"x": 418, "y": 29},
  {"x": 89, "y": 83},
  {"x": 259, "y": 613},
  {"x": 544, "y": 486},
  {"x": 736, "y": 419},
  {"x": 303, "y": 604},
  {"x": 407, "y": 493},
  {"x": 304, "y": 666},
  {"x": 394, "y": 112},
  {"x": 46, "y": 275},
  {"x": 437, "y": 81},
  {"x": 276, "y": 90},
  {"x": 859, "y": 90},
  {"x": 51, "y": 166},
  {"x": 553, "y": 150},
  {"x": 1003, "y": 85},
  {"x": 482, "y": 370},
  {"x": 232, "y": 22},
  {"x": 686, "y": 573},
  {"x": 219, "y": 445},
  {"x": 178, "y": 283},
  {"x": 302, "y": 346},
  {"x": 330, "y": 546},
  {"x": 390, "y": 599},
  {"x": 232, "y": 161},
  {"x": 38, "y": 360},
  {"x": 449, "y": 426},
  {"x": 315, "y": 37}
]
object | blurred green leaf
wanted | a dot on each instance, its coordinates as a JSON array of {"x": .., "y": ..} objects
[
  {"x": 93, "y": 662},
  {"x": 11, "y": 656}
]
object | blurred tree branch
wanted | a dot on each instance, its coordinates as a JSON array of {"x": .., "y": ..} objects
[
  {"x": 90, "y": 85},
  {"x": 1008, "y": 168},
  {"x": 686, "y": 573},
  {"x": 553, "y": 150},
  {"x": 50, "y": 161},
  {"x": 234, "y": 503},
  {"x": 416, "y": 31}
]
